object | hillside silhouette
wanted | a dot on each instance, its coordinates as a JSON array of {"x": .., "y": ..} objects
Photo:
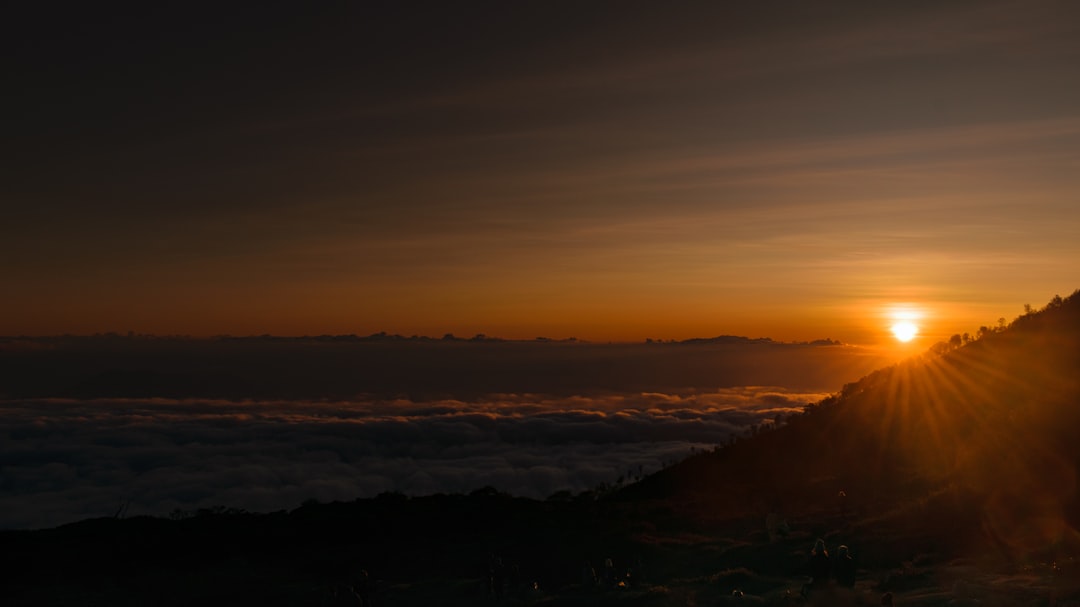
[
  {"x": 951, "y": 476},
  {"x": 974, "y": 441}
]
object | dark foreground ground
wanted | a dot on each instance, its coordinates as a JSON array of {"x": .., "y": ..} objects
[{"x": 445, "y": 550}]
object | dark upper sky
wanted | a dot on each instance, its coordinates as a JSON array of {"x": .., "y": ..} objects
[{"x": 604, "y": 170}]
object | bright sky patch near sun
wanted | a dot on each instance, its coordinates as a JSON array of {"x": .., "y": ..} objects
[
  {"x": 904, "y": 321},
  {"x": 606, "y": 172},
  {"x": 905, "y": 330}
]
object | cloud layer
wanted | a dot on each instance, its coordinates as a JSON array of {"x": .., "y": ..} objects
[{"x": 64, "y": 460}]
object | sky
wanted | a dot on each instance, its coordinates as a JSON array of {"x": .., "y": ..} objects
[{"x": 602, "y": 170}]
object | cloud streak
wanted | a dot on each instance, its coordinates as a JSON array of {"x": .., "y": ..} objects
[{"x": 64, "y": 460}]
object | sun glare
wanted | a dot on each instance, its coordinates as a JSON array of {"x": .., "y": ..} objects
[
  {"x": 904, "y": 320},
  {"x": 905, "y": 331}
]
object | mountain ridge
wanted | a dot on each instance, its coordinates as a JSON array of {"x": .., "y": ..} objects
[{"x": 990, "y": 422}]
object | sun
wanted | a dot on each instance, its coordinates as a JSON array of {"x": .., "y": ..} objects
[
  {"x": 905, "y": 319},
  {"x": 905, "y": 330}
]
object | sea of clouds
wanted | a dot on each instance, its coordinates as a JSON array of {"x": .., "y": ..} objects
[{"x": 63, "y": 460}]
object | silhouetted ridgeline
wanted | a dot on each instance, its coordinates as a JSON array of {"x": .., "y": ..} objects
[
  {"x": 227, "y": 557},
  {"x": 984, "y": 434}
]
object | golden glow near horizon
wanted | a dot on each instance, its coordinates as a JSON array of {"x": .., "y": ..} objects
[{"x": 639, "y": 191}]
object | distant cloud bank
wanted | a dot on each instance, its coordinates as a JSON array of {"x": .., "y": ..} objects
[{"x": 65, "y": 460}]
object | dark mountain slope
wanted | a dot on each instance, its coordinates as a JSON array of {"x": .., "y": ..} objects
[{"x": 987, "y": 432}]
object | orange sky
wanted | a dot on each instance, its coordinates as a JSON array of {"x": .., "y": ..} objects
[{"x": 598, "y": 173}]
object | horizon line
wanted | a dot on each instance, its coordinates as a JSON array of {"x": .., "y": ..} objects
[{"x": 447, "y": 337}]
